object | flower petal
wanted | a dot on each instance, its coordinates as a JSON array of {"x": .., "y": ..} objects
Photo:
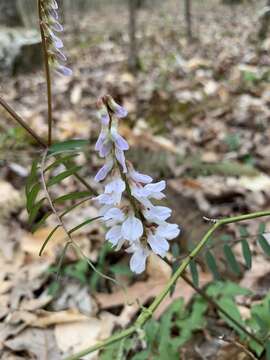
[
  {"x": 132, "y": 228},
  {"x": 114, "y": 214},
  {"x": 141, "y": 178},
  {"x": 119, "y": 141},
  {"x": 63, "y": 70},
  {"x": 156, "y": 187},
  {"x": 157, "y": 213},
  {"x": 138, "y": 260},
  {"x": 159, "y": 245},
  {"x": 117, "y": 185},
  {"x": 120, "y": 156},
  {"x": 101, "y": 139},
  {"x": 168, "y": 231},
  {"x": 104, "y": 171},
  {"x": 114, "y": 235}
]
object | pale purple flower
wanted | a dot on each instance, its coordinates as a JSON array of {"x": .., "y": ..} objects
[
  {"x": 119, "y": 141},
  {"x": 132, "y": 228},
  {"x": 117, "y": 109},
  {"x": 53, "y": 4},
  {"x": 59, "y": 55},
  {"x": 120, "y": 156},
  {"x": 63, "y": 70},
  {"x": 139, "y": 178},
  {"x": 57, "y": 42},
  {"x": 105, "y": 148},
  {"x": 104, "y": 171},
  {"x": 50, "y": 24},
  {"x": 56, "y": 26},
  {"x": 53, "y": 13}
]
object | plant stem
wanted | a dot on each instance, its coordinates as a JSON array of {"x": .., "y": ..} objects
[
  {"x": 19, "y": 120},
  {"x": 220, "y": 309},
  {"x": 47, "y": 72},
  {"x": 147, "y": 313}
]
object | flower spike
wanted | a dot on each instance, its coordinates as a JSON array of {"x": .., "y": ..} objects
[{"x": 140, "y": 224}]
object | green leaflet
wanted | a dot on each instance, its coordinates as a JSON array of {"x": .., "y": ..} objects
[
  {"x": 63, "y": 175},
  {"x": 212, "y": 265},
  {"x": 72, "y": 196},
  {"x": 48, "y": 239},
  {"x": 231, "y": 259},
  {"x": 194, "y": 272},
  {"x": 264, "y": 245},
  {"x": 86, "y": 222},
  {"x": 246, "y": 253},
  {"x": 59, "y": 161}
]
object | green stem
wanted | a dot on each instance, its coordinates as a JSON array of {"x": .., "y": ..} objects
[
  {"x": 147, "y": 313},
  {"x": 47, "y": 73}
]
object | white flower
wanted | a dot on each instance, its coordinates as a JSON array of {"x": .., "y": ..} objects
[
  {"x": 113, "y": 192},
  {"x": 114, "y": 236},
  {"x": 157, "y": 214},
  {"x": 168, "y": 231},
  {"x": 105, "y": 170},
  {"x": 113, "y": 216},
  {"x": 138, "y": 258},
  {"x": 132, "y": 228},
  {"x": 159, "y": 245}
]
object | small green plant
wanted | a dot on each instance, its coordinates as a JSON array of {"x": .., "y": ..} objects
[{"x": 163, "y": 339}]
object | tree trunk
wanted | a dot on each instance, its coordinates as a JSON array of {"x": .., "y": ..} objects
[
  {"x": 265, "y": 20},
  {"x": 188, "y": 19},
  {"x": 133, "y": 61},
  {"x": 9, "y": 15}
]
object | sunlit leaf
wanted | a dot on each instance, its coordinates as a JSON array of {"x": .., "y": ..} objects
[{"x": 69, "y": 145}]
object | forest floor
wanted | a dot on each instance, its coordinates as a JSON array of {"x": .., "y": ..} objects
[{"x": 198, "y": 118}]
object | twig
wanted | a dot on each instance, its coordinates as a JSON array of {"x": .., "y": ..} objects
[
  {"x": 47, "y": 72},
  {"x": 146, "y": 314},
  {"x": 240, "y": 346},
  {"x": 20, "y": 121}
]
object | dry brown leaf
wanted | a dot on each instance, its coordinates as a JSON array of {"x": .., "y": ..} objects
[
  {"x": 77, "y": 336},
  {"x": 36, "y": 342},
  {"x": 47, "y": 318},
  {"x": 10, "y": 199},
  {"x": 31, "y": 243}
]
